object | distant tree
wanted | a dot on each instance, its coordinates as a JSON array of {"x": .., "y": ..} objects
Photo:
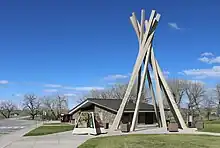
[
  {"x": 177, "y": 87},
  {"x": 32, "y": 103},
  {"x": 6, "y": 108},
  {"x": 217, "y": 91},
  {"x": 209, "y": 104},
  {"x": 195, "y": 92},
  {"x": 61, "y": 105},
  {"x": 49, "y": 106},
  {"x": 117, "y": 91},
  {"x": 55, "y": 105}
]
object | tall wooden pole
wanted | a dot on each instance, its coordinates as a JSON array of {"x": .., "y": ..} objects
[
  {"x": 150, "y": 85},
  {"x": 135, "y": 116},
  {"x": 141, "y": 30},
  {"x": 145, "y": 32},
  {"x": 170, "y": 99},
  {"x": 158, "y": 90},
  {"x": 147, "y": 39}
]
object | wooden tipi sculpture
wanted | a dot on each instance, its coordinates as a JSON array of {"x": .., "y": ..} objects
[{"x": 145, "y": 30}]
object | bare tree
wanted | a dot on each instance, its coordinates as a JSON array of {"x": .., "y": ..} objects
[
  {"x": 61, "y": 104},
  {"x": 195, "y": 92},
  {"x": 55, "y": 105},
  {"x": 217, "y": 90},
  {"x": 6, "y": 108},
  {"x": 49, "y": 104},
  {"x": 209, "y": 104},
  {"x": 117, "y": 91},
  {"x": 177, "y": 87},
  {"x": 32, "y": 104}
]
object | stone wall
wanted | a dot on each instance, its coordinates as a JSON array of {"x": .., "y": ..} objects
[
  {"x": 75, "y": 117},
  {"x": 105, "y": 115}
]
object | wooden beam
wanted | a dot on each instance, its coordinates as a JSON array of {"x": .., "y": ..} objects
[
  {"x": 135, "y": 116},
  {"x": 135, "y": 25},
  {"x": 136, "y": 68},
  {"x": 141, "y": 30},
  {"x": 171, "y": 101},
  {"x": 158, "y": 90},
  {"x": 147, "y": 30},
  {"x": 145, "y": 44},
  {"x": 142, "y": 26},
  {"x": 150, "y": 85}
]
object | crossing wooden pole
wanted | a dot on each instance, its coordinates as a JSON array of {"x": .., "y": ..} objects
[
  {"x": 158, "y": 90},
  {"x": 145, "y": 33}
]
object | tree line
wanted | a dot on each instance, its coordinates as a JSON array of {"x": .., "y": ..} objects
[
  {"x": 48, "y": 107},
  {"x": 192, "y": 97}
]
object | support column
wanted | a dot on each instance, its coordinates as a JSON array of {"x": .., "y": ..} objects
[
  {"x": 170, "y": 99},
  {"x": 153, "y": 99},
  {"x": 135, "y": 116},
  {"x": 131, "y": 83},
  {"x": 144, "y": 45},
  {"x": 158, "y": 94}
]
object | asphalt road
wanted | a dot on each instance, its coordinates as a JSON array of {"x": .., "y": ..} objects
[{"x": 11, "y": 125}]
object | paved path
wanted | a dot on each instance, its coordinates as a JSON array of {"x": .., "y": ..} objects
[
  {"x": 67, "y": 140},
  {"x": 16, "y": 134},
  {"x": 59, "y": 140},
  {"x": 14, "y": 124}
]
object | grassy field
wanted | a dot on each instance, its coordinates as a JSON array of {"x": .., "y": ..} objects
[
  {"x": 58, "y": 124},
  {"x": 154, "y": 141},
  {"x": 212, "y": 126},
  {"x": 45, "y": 130}
]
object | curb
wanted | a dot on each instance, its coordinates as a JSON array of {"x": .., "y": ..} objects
[{"x": 8, "y": 139}]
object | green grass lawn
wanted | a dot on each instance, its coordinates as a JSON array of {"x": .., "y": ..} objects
[
  {"x": 45, "y": 130},
  {"x": 53, "y": 123},
  {"x": 153, "y": 141},
  {"x": 58, "y": 124},
  {"x": 212, "y": 126}
]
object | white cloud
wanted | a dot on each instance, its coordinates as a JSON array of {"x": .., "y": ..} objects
[
  {"x": 215, "y": 60},
  {"x": 207, "y": 54},
  {"x": 204, "y": 59},
  {"x": 88, "y": 88},
  {"x": 212, "y": 72},
  {"x": 111, "y": 83},
  {"x": 174, "y": 26},
  {"x": 53, "y": 85},
  {"x": 181, "y": 73},
  {"x": 50, "y": 90},
  {"x": 17, "y": 95},
  {"x": 115, "y": 77},
  {"x": 210, "y": 60},
  {"x": 84, "y": 88},
  {"x": 70, "y": 88},
  {"x": 208, "y": 57},
  {"x": 197, "y": 81},
  {"x": 70, "y": 95},
  {"x": 165, "y": 74},
  {"x": 200, "y": 77},
  {"x": 3, "y": 82}
]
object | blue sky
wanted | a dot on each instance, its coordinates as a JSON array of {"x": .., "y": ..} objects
[{"x": 73, "y": 46}]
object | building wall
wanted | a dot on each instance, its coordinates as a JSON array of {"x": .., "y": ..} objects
[
  {"x": 75, "y": 116},
  {"x": 105, "y": 115},
  {"x": 108, "y": 116}
]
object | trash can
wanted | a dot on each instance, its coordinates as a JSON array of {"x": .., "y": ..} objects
[
  {"x": 173, "y": 127},
  {"x": 106, "y": 125},
  {"x": 125, "y": 127},
  {"x": 199, "y": 125}
]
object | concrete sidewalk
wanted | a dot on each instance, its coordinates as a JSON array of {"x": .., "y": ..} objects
[
  {"x": 59, "y": 140},
  {"x": 8, "y": 139},
  {"x": 67, "y": 140}
]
